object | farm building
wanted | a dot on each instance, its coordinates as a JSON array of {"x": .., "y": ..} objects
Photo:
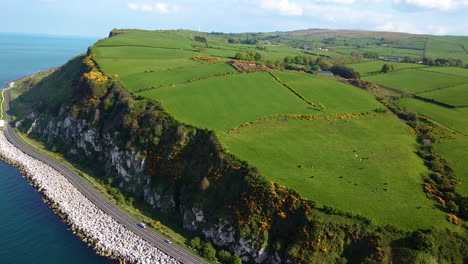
[{"x": 322, "y": 73}]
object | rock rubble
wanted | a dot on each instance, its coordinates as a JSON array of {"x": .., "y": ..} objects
[{"x": 108, "y": 237}]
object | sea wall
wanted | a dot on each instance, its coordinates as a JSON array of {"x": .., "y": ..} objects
[{"x": 94, "y": 226}]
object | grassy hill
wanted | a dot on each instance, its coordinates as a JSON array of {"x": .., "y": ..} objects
[
  {"x": 309, "y": 166},
  {"x": 315, "y": 157},
  {"x": 356, "y": 165},
  {"x": 222, "y": 103}
]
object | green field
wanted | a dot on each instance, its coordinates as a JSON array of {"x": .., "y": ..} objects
[
  {"x": 456, "y": 95},
  {"x": 455, "y": 152},
  {"x": 366, "y": 166},
  {"x": 416, "y": 81},
  {"x": 394, "y": 52},
  {"x": 455, "y": 119},
  {"x": 411, "y": 43},
  {"x": 161, "y": 39},
  {"x": 222, "y": 103},
  {"x": 143, "y": 80},
  {"x": 141, "y": 53},
  {"x": 448, "y": 70},
  {"x": 440, "y": 48},
  {"x": 132, "y": 66},
  {"x": 332, "y": 95},
  {"x": 375, "y": 67}
]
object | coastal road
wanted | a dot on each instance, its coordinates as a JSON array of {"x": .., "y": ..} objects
[{"x": 155, "y": 239}]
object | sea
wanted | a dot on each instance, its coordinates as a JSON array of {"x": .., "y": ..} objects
[{"x": 29, "y": 231}]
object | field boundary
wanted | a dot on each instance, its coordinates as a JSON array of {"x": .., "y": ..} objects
[
  {"x": 464, "y": 48},
  {"x": 331, "y": 117},
  {"x": 186, "y": 82},
  {"x": 439, "y": 103},
  {"x": 295, "y": 92},
  {"x": 440, "y": 88},
  {"x": 425, "y": 47},
  {"x": 144, "y": 46},
  {"x": 379, "y": 72},
  {"x": 427, "y": 69}
]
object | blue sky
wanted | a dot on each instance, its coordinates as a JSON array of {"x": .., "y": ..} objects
[{"x": 95, "y": 18}]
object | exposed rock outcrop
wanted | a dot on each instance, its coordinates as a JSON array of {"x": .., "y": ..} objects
[{"x": 126, "y": 165}]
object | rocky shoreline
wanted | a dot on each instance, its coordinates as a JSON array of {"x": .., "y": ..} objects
[{"x": 96, "y": 228}]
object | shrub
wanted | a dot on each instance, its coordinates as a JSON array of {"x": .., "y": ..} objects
[
  {"x": 209, "y": 252},
  {"x": 422, "y": 240},
  {"x": 236, "y": 260},
  {"x": 345, "y": 72},
  {"x": 224, "y": 256},
  {"x": 385, "y": 68},
  {"x": 200, "y": 39},
  {"x": 195, "y": 243}
]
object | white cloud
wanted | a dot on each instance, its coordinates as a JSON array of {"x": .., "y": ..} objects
[
  {"x": 443, "y": 5},
  {"x": 437, "y": 29},
  {"x": 337, "y": 1},
  {"x": 403, "y": 26},
  {"x": 346, "y": 14},
  {"x": 399, "y": 27},
  {"x": 132, "y": 6},
  {"x": 432, "y": 4},
  {"x": 161, "y": 7},
  {"x": 146, "y": 8},
  {"x": 158, "y": 7},
  {"x": 282, "y": 7}
]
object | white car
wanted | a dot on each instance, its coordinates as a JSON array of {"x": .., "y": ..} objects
[
  {"x": 167, "y": 241},
  {"x": 142, "y": 225}
]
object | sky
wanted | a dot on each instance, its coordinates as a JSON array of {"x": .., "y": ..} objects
[{"x": 95, "y": 18}]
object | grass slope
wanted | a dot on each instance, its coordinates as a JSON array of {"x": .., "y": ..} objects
[
  {"x": 448, "y": 70},
  {"x": 455, "y": 151},
  {"x": 142, "y": 80},
  {"x": 334, "y": 96},
  {"x": 416, "y": 81},
  {"x": 375, "y": 67},
  {"x": 51, "y": 88},
  {"x": 456, "y": 95},
  {"x": 131, "y": 66},
  {"x": 455, "y": 119},
  {"x": 446, "y": 48},
  {"x": 142, "y": 53},
  {"x": 161, "y": 39},
  {"x": 222, "y": 103},
  {"x": 323, "y": 161}
]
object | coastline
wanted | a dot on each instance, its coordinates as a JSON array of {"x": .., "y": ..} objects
[{"x": 99, "y": 230}]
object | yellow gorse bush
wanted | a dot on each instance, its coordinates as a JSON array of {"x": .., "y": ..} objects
[
  {"x": 207, "y": 59},
  {"x": 95, "y": 75},
  {"x": 453, "y": 219},
  {"x": 88, "y": 60}
]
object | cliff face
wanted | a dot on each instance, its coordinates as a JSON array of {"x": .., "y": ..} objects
[
  {"x": 175, "y": 168},
  {"x": 83, "y": 140}
]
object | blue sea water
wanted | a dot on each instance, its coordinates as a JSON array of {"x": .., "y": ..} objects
[
  {"x": 22, "y": 55},
  {"x": 29, "y": 231}
]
